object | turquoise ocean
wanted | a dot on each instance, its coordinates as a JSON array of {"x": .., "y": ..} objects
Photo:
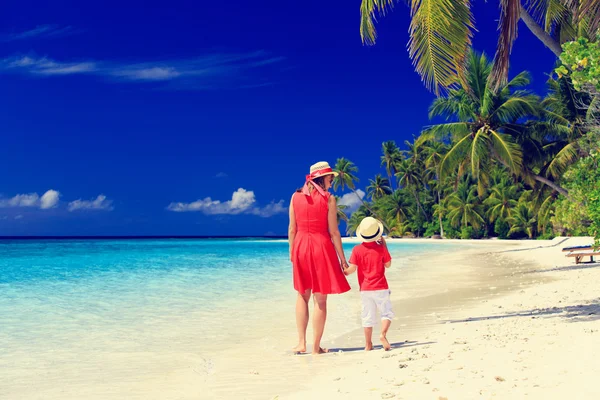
[{"x": 75, "y": 314}]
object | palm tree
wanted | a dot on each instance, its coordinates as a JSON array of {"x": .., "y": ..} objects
[
  {"x": 488, "y": 123},
  {"x": 409, "y": 177},
  {"x": 391, "y": 156},
  {"x": 341, "y": 213},
  {"x": 413, "y": 153},
  {"x": 346, "y": 179},
  {"x": 463, "y": 206},
  {"x": 396, "y": 205},
  {"x": 441, "y": 33},
  {"x": 568, "y": 119},
  {"x": 378, "y": 188},
  {"x": 523, "y": 220},
  {"x": 434, "y": 153},
  {"x": 501, "y": 201},
  {"x": 355, "y": 220}
]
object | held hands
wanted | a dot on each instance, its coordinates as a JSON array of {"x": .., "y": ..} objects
[{"x": 346, "y": 268}]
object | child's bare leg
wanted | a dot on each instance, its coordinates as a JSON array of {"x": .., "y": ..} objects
[
  {"x": 319, "y": 317},
  {"x": 385, "y": 325},
  {"x": 368, "y": 338},
  {"x": 302, "y": 320}
]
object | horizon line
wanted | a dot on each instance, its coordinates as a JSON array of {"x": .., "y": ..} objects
[{"x": 29, "y": 237}]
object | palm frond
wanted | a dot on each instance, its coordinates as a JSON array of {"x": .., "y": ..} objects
[
  {"x": 565, "y": 157},
  {"x": 506, "y": 150},
  {"x": 368, "y": 11},
  {"x": 479, "y": 147},
  {"x": 441, "y": 131},
  {"x": 440, "y": 36},
  {"x": 454, "y": 156},
  {"x": 510, "y": 13},
  {"x": 518, "y": 106}
]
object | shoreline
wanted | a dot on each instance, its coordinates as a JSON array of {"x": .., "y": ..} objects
[{"x": 416, "y": 288}]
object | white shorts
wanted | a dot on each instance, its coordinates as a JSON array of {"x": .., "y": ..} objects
[{"x": 373, "y": 300}]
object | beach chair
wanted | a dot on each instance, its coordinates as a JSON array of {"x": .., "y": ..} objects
[
  {"x": 580, "y": 254},
  {"x": 578, "y": 248}
]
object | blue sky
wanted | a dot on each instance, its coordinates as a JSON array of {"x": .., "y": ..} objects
[{"x": 199, "y": 118}]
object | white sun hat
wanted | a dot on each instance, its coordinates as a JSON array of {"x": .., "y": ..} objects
[
  {"x": 369, "y": 230},
  {"x": 321, "y": 168}
]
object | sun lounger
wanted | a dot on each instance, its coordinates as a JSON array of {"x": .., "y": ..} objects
[
  {"x": 580, "y": 254},
  {"x": 578, "y": 248}
]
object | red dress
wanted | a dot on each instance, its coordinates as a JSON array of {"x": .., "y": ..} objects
[{"x": 315, "y": 261}]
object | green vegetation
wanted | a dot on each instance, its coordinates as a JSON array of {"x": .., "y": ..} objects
[{"x": 505, "y": 163}]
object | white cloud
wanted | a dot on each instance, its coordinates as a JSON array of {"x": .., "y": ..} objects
[
  {"x": 40, "y": 31},
  {"x": 242, "y": 201},
  {"x": 99, "y": 203},
  {"x": 21, "y": 200},
  {"x": 221, "y": 175},
  {"x": 18, "y": 216},
  {"x": 352, "y": 201},
  {"x": 49, "y": 199},
  {"x": 270, "y": 209},
  {"x": 205, "y": 72}
]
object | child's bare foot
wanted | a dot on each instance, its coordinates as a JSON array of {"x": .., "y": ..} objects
[
  {"x": 320, "y": 351},
  {"x": 385, "y": 343},
  {"x": 369, "y": 346},
  {"x": 301, "y": 348}
]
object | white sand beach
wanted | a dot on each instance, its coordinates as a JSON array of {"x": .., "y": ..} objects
[{"x": 529, "y": 331}]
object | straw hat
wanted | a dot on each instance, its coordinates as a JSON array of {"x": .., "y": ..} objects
[
  {"x": 369, "y": 230},
  {"x": 321, "y": 168}
]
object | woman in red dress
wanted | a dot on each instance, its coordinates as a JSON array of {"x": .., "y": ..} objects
[{"x": 315, "y": 246}]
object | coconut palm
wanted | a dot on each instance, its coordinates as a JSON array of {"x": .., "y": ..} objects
[
  {"x": 434, "y": 153},
  {"x": 378, "y": 187},
  {"x": 463, "y": 206},
  {"x": 409, "y": 176},
  {"x": 441, "y": 33},
  {"x": 355, "y": 219},
  {"x": 501, "y": 201},
  {"x": 523, "y": 220},
  {"x": 413, "y": 152},
  {"x": 485, "y": 121},
  {"x": 568, "y": 117},
  {"x": 346, "y": 179},
  {"x": 396, "y": 205},
  {"x": 341, "y": 213},
  {"x": 391, "y": 156}
]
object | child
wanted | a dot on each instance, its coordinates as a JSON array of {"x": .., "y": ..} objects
[{"x": 370, "y": 259}]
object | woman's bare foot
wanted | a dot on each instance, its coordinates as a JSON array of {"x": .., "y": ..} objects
[
  {"x": 321, "y": 351},
  {"x": 369, "y": 346},
  {"x": 385, "y": 343},
  {"x": 301, "y": 348}
]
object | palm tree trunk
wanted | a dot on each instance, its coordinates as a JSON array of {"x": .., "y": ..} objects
[
  {"x": 553, "y": 185},
  {"x": 440, "y": 215},
  {"x": 419, "y": 203},
  {"x": 537, "y": 30}
]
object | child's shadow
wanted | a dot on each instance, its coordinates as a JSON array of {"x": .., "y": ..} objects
[{"x": 397, "y": 345}]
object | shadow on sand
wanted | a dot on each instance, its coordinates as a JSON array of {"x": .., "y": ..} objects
[
  {"x": 395, "y": 346},
  {"x": 572, "y": 267},
  {"x": 578, "y": 313}
]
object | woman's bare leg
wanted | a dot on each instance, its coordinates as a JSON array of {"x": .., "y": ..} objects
[
  {"x": 319, "y": 317},
  {"x": 302, "y": 320}
]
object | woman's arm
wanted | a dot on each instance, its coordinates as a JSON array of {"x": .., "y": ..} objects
[
  {"x": 334, "y": 231},
  {"x": 292, "y": 226}
]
